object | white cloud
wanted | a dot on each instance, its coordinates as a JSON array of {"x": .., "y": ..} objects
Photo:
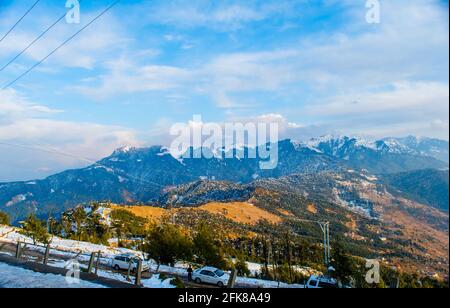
[
  {"x": 34, "y": 148},
  {"x": 127, "y": 77},
  {"x": 222, "y": 16},
  {"x": 405, "y": 97},
  {"x": 395, "y": 51},
  {"x": 14, "y": 106},
  {"x": 224, "y": 75},
  {"x": 85, "y": 51},
  {"x": 32, "y": 144}
]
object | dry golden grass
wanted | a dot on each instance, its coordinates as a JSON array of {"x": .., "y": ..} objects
[
  {"x": 311, "y": 208},
  {"x": 352, "y": 223},
  {"x": 239, "y": 212},
  {"x": 285, "y": 213}
]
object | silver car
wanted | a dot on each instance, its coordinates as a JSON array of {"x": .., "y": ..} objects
[
  {"x": 122, "y": 262},
  {"x": 210, "y": 275}
]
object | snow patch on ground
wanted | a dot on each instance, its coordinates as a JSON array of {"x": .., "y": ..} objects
[
  {"x": 11, "y": 235},
  {"x": 18, "y": 199},
  {"x": 16, "y": 277}
]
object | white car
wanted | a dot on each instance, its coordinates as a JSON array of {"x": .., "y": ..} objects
[
  {"x": 122, "y": 262},
  {"x": 210, "y": 275},
  {"x": 321, "y": 282}
]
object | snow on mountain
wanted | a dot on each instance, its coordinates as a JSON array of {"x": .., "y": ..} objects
[
  {"x": 140, "y": 175},
  {"x": 333, "y": 144},
  {"x": 424, "y": 146}
]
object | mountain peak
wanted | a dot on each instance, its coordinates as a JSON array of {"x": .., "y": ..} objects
[
  {"x": 127, "y": 150},
  {"x": 124, "y": 150}
]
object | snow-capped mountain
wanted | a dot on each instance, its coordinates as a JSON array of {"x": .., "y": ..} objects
[
  {"x": 141, "y": 175},
  {"x": 388, "y": 155},
  {"x": 422, "y": 146},
  {"x": 436, "y": 148}
]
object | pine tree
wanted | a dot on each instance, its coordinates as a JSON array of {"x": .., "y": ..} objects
[
  {"x": 66, "y": 226},
  {"x": 97, "y": 231},
  {"x": 79, "y": 215},
  {"x": 208, "y": 249},
  {"x": 35, "y": 229},
  {"x": 343, "y": 263},
  {"x": 166, "y": 244},
  {"x": 54, "y": 227},
  {"x": 241, "y": 266},
  {"x": 126, "y": 224}
]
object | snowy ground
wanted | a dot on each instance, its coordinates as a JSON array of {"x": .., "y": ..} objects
[
  {"x": 256, "y": 269},
  {"x": 11, "y": 235},
  {"x": 70, "y": 248},
  {"x": 16, "y": 277},
  {"x": 153, "y": 282}
]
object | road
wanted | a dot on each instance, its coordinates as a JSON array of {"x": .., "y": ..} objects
[{"x": 30, "y": 257}]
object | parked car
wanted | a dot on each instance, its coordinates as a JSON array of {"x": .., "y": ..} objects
[
  {"x": 321, "y": 282},
  {"x": 122, "y": 262},
  {"x": 210, "y": 275}
]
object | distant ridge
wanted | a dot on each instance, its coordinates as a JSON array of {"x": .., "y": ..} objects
[{"x": 141, "y": 175}]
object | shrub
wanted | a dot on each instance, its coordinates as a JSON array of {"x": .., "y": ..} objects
[
  {"x": 4, "y": 219},
  {"x": 242, "y": 267},
  {"x": 178, "y": 283}
]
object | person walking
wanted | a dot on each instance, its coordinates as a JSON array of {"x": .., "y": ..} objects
[{"x": 190, "y": 271}]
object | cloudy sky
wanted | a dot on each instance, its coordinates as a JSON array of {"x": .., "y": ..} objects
[{"x": 316, "y": 67}]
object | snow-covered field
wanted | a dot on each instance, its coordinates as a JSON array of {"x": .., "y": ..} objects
[{"x": 16, "y": 277}]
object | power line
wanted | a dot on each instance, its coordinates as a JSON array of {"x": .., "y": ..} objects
[
  {"x": 20, "y": 19},
  {"x": 115, "y": 171},
  {"x": 33, "y": 42},
  {"x": 309, "y": 221},
  {"x": 61, "y": 45},
  {"x": 325, "y": 228}
]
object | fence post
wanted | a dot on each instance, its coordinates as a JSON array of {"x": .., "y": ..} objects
[
  {"x": 18, "y": 247},
  {"x": 129, "y": 270},
  {"x": 91, "y": 263},
  {"x": 97, "y": 263},
  {"x": 138, "y": 273},
  {"x": 232, "y": 280},
  {"x": 47, "y": 253}
]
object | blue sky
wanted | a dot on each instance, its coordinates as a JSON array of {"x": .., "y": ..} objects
[{"x": 316, "y": 67}]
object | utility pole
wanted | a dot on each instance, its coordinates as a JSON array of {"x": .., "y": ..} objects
[
  {"x": 329, "y": 245},
  {"x": 325, "y": 226}
]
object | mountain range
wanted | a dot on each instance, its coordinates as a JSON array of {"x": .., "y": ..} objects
[{"x": 144, "y": 175}]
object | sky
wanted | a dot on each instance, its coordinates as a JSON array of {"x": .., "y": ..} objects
[{"x": 315, "y": 67}]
